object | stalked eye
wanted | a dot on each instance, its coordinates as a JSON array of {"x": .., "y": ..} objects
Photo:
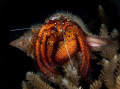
[{"x": 51, "y": 21}]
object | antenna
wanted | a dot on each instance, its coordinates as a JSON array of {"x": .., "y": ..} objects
[{"x": 24, "y": 29}]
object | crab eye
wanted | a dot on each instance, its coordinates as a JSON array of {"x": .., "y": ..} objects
[{"x": 51, "y": 21}]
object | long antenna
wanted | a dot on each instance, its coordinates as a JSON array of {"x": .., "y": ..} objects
[{"x": 24, "y": 29}]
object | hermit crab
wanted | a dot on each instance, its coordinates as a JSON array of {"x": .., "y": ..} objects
[{"x": 56, "y": 41}]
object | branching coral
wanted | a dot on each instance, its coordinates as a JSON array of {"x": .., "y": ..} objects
[
  {"x": 35, "y": 82},
  {"x": 96, "y": 85},
  {"x": 109, "y": 75}
]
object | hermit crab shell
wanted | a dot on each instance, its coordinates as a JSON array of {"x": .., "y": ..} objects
[{"x": 26, "y": 42}]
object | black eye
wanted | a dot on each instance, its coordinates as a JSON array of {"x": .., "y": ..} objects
[{"x": 51, "y": 21}]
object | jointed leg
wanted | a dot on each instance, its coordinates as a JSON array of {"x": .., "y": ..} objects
[
  {"x": 37, "y": 48},
  {"x": 82, "y": 46},
  {"x": 50, "y": 48},
  {"x": 46, "y": 26},
  {"x": 43, "y": 55},
  {"x": 87, "y": 61},
  {"x": 84, "y": 50}
]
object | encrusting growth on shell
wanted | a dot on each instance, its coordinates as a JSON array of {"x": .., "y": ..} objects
[{"x": 26, "y": 42}]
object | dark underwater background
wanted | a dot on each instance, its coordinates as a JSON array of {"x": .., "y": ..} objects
[{"x": 18, "y": 14}]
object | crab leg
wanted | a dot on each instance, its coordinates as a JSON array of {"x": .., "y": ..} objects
[
  {"x": 46, "y": 26},
  {"x": 43, "y": 56},
  {"x": 84, "y": 50},
  {"x": 50, "y": 47},
  {"x": 37, "y": 47},
  {"x": 87, "y": 61}
]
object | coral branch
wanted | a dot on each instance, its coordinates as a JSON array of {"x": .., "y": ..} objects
[
  {"x": 35, "y": 81},
  {"x": 96, "y": 85}
]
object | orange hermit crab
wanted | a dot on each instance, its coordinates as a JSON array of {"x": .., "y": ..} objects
[{"x": 54, "y": 42}]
